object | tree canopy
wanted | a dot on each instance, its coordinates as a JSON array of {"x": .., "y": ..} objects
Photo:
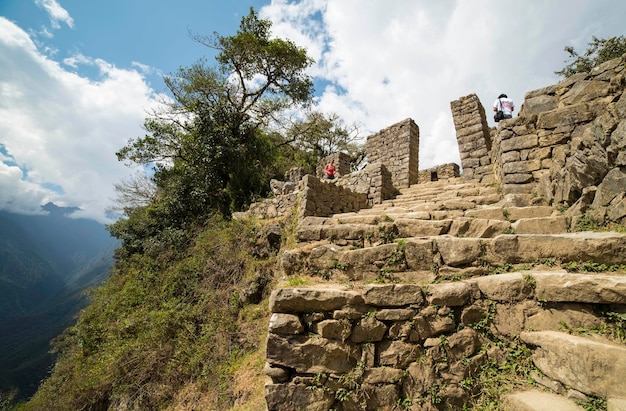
[
  {"x": 208, "y": 146},
  {"x": 598, "y": 51}
]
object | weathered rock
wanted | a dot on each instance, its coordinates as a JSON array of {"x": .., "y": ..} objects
[
  {"x": 541, "y": 225},
  {"x": 368, "y": 329},
  {"x": 600, "y": 247},
  {"x": 408, "y": 227},
  {"x": 277, "y": 374},
  {"x": 572, "y": 316},
  {"x": 290, "y": 397},
  {"x": 505, "y": 287},
  {"x": 535, "y": 400},
  {"x": 463, "y": 344},
  {"x": 458, "y": 251},
  {"x": 334, "y": 329},
  {"x": 382, "y": 375},
  {"x": 581, "y": 288},
  {"x": 510, "y": 319},
  {"x": 288, "y": 300},
  {"x": 393, "y": 295},
  {"x": 317, "y": 355},
  {"x": 449, "y": 294},
  {"x": 285, "y": 324},
  {"x": 477, "y": 227},
  {"x": 397, "y": 314},
  {"x": 398, "y": 354},
  {"x": 590, "y": 366},
  {"x": 419, "y": 254}
]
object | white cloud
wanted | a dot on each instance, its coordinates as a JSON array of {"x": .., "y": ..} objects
[
  {"x": 56, "y": 13},
  {"x": 386, "y": 61},
  {"x": 62, "y": 128}
]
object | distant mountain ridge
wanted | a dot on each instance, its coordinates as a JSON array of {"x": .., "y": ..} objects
[{"x": 46, "y": 263}]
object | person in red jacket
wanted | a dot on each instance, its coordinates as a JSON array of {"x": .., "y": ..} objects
[{"x": 330, "y": 170}]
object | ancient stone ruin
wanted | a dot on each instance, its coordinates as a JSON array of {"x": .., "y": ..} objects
[{"x": 427, "y": 288}]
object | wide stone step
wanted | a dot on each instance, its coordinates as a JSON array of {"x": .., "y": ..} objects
[
  {"x": 592, "y": 366},
  {"x": 535, "y": 400},
  {"x": 422, "y": 224},
  {"x": 423, "y": 253},
  {"x": 512, "y": 213}
]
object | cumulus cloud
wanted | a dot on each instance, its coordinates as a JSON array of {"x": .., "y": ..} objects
[
  {"x": 381, "y": 62},
  {"x": 60, "y": 131}
]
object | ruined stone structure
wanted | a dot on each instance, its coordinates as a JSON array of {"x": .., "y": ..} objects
[
  {"x": 342, "y": 165},
  {"x": 427, "y": 296},
  {"x": 569, "y": 138},
  {"x": 397, "y": 148},
  {"x": 474, "y": 138},
  {"x": 392, "y": 344},
  {"x": 442, "y": 172}
]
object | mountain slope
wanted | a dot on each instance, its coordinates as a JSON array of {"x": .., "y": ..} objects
[{"x": 46, "y": 264}]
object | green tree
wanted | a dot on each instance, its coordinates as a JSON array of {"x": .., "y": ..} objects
[
  {"x": 208, "y": 145},
  {"x": 598, "y": 51},
  {"x": 318, "y": 135}
]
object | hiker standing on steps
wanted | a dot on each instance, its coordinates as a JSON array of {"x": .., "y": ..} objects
[
  {"x": 505, "y": 105},
  {"x": 330, "y": 170}
]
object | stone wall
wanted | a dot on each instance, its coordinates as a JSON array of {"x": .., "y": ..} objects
[
  {"x": 568, "y": 142},
  {"x": 383, "y": 345},
  {"x": 322, "y": 198},
  {"x": 397, "y": 148},
  {"x": 342, "y": 165},
  {"x": 374, "y": 180},
  {"x": 474, "y": 138},
  {"x": 575, "y": 139},
  {"x": 442, "y": 172}
]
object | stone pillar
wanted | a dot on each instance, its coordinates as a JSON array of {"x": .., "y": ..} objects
[
  {"x": 397, "y": 148},
  {"x": 473, "y": 137}
]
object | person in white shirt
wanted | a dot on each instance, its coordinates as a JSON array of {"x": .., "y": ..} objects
[{"x": 504, "y": 104}]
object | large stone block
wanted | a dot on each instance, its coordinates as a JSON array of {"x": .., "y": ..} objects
[
  {"x": 312, "y": 355},
  {"x": 457, "y": 252},
  {"x": 580, "y": 288},
  {"x": 393, "y": 295},
  {"x": 292, "y": 397},
  {"x": 599, "y": 247},
  {"x": 453, "y": 294},
  {"x": 290, "y": 300},
  {"x": 591, "y": 366},
  {"x": 504, "y": 287}
]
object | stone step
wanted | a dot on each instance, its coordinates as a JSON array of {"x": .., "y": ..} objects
[
  {"x": 535, "y": 400},
  {"x": 424, "y": 253},
  {"x": 593, "y": 366},
  {"x": 421, "y": 224}
]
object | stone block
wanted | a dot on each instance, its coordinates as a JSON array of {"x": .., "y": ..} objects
[
  {"x": 591, "y": 366},
  {"x": 289, "y": 300}
]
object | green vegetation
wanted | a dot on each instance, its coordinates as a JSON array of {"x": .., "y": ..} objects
[
  {"x": 598, "y": 51},
  {"x": 162, "y": 326}
]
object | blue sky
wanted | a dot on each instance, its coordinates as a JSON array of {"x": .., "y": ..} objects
[{"x": 77, "y": 77}]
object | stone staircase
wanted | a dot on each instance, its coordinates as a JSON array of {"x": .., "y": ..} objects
[{"x": 483, "y": 269}]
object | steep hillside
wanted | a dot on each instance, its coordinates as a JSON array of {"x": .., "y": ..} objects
[{"x": 46, "y": 264}]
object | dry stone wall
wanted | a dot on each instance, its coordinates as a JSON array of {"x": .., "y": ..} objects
[
  {"x": 384, "y": 345},
  {"x": 474, "y": 138},
  {"x": 321, "y": 198},
  {"x": 374, "y": 181},
  {"x": 342, "y": 165},
  {"x": 442, "y": 172},
  {"x": 568, "y": 142},
  {"x": 397, "y": 148}
]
